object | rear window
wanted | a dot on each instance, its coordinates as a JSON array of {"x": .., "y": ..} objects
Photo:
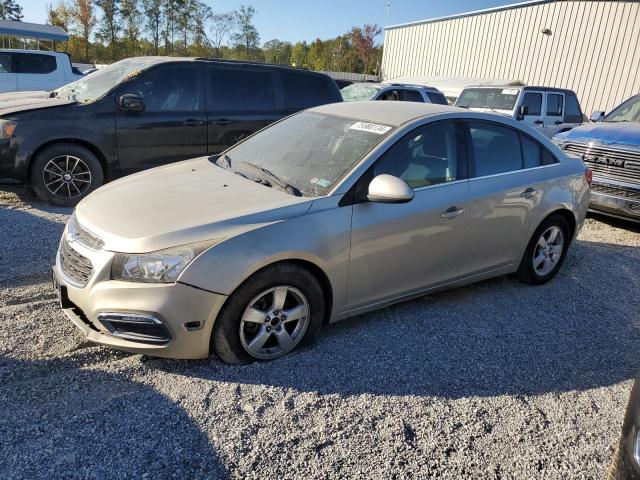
[
  {"x": 437, "y": 98},
  {"x": 34, "y": 63},
  {"x": 572, "y": 112},
  {"x": 240, "y": 90},
  {"x": 304, "y": 90},
  {"x": 412, "y": 96}
]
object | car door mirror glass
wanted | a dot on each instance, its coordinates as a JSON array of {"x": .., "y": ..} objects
[
  {"x": 523, "y": 111},
  {"x": 130, "y": 102},
  {"x": 597, "y": 116},
  {"x": 389, "y": 189}
]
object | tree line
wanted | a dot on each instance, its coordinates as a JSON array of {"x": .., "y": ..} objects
[{"x": 104, "y": 31}]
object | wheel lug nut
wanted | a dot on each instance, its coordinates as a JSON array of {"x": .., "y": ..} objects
[
  {"x": 268, "y": 329},
  {"x": 278, "y": 328}
]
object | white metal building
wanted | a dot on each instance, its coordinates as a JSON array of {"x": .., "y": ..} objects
[{"x": 591, "y": 47}]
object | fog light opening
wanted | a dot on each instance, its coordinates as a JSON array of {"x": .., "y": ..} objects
[
  {"x": 195, "y": 325},
  {"x": 136, "y": 327}
]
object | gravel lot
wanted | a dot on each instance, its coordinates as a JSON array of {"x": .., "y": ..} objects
[{"x": 495, "y": 380}]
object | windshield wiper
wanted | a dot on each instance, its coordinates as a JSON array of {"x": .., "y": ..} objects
[
  {"x": 273, "y": 178},
  {"x": 226, "y": 159}
]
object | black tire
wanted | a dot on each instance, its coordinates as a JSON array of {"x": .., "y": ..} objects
[
  {"x": 620, "y": 467},
  {"x": 70, "y": 193},
  {"x": 225, "y": 339},
  {"x": 526, "y": 272}
]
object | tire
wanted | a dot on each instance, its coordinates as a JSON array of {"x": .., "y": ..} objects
[
  {"x": 620, "y": 467},
  {"x": 531, "y": 275},
  {"x": 235, "y": 330},
  {"x": 50, "y": 166}
]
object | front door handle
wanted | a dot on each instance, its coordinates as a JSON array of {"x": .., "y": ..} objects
[
  {"x": 529, "y": 192},
  {"x": 452, "y": 212},
  {"x": 558, "y": 122},
  {"x": 192, "y": 122}
]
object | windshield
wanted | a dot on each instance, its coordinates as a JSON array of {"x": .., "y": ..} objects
[
  {"x": 629, "y": 111},
  {"x": 493, "y": 98},
  {"x": 357, "y": 92},
  {"x": 94, "y": 86},
  {"x": 310, "y": 152}
]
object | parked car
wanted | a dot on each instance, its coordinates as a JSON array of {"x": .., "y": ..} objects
[
  {"x": 611, "y": 148},
  {"x": 625, "y": 464},
  {"x": 399, "y": 92},
  {"x": 28, "y": 70},
  {"x": 144, "y": 112},
  {"x": 551, "y": 110},
  {"x": 329, "y": 213}
]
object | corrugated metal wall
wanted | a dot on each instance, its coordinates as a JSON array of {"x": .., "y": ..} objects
[{"x": 594, "y": 48}]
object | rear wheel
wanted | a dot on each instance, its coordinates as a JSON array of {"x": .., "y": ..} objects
[
  {"x": 546, "y": 251},
  {"x": 64, "y": 173},
  {"x": 272, "y": 313}
]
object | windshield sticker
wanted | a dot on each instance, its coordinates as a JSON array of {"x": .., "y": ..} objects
[
  {"x": 320, "y": 181},
  {"x": 370, "y": 127},
  {"x": 510, "y": 91}
]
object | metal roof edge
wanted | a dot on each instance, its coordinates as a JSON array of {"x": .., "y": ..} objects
[{"x": 510, "y": 6}]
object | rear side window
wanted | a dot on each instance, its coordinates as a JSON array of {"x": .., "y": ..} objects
[
  {"x": 496, "y": 149},
  {"x": 412, "y": 96},
  {"x": 572, "y": 112},
  {"x": 240, "y": 90},
  {"x": 531, "y": 152},
  {"x": 5, "y": 63},
  {"x": 437, "y": 98},
  {"x": 533, "y": 102},
  {"x": 303, "y": 90},
  {"x": 33, "y": 63},
  {"x": 554, "y": 104},
  {"x": 547, "y": 157}
]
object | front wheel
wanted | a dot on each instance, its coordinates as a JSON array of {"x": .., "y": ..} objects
[
  {"x": 272, "y": 313},
  {"x": 64, "y": 173},
  {"x": 546, "y": 251}
]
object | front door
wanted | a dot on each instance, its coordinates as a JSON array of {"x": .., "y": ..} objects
[
  {"x": 554, "y": 114},
  {"x": 399, "y": 249},
  {"x": 173, "y": 124},
  {"x": 533, "y": 102}
]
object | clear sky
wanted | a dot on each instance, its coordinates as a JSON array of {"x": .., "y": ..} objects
[{"x": 295, "y": 20}]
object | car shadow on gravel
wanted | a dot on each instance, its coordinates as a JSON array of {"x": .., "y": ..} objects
[
  {"x": 63, "y": 418},
  {"x": 578, "y": 332}
]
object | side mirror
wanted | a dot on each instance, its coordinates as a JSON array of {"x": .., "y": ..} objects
[
  {"x": 523, "y": 111},
  {"x": 597, "y": 116},
  {"x": 389, "y": 189},
  {"x": 130, "y": 102}
]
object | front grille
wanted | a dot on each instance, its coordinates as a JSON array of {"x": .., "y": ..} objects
[
  {"x": 84, "y": 236},
  {"x": 608, "y": 163},
  {"x": 75, "y": 266},
  {"x": 616, "y": 192}
]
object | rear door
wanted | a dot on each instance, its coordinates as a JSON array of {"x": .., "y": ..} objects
[
  {"x": 411, "y": 95},
  {"x": 8, "y": 79},
  {"x": 37, "y": 71},
  {"x": 554, "y": 113},
  {"x": 305, "y": 90},
  {"x": 173, "y": 124},
  {"x": 240, "y": 101},
  {"x": 533, "y": 101}
]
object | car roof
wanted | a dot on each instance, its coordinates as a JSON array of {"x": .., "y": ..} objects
[
  {"x": 522, "y": 87},
  {"x": 22, "y": 50},
  {"x": 389, "y": 113},
  {"x": 155, "y": 60}
]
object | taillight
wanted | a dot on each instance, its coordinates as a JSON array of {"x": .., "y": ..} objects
[{"x": 588, "y": 175}]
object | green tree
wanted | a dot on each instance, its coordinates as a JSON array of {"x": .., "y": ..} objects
[
  {"x": 83, "y": 13},
  {"x": 277, "y": 51},
  {"x": 10, "y": 10},
  {"x": 221, "y": 25},
  {"x": 110, "y": 24},
  {"x": 247, "y": 37},
  {"x": 131, "y": 17},
  {"x": 153, "y": 21},
  {"x": 298, "y": 56}
]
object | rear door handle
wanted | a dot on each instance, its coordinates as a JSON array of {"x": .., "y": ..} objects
[
  {"x": 538, "y": 122},
  {"x": 452, "y": 212},
  {"x": 558, "y": 122},
  {"x": 192, "y": 123},
  {"x": 222, "y": 121},
  {"x": 529, "y": 192}
]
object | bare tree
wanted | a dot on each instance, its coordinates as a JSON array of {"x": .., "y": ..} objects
[
  {"x": 131, "y": 17},
  {"x": 222, "y": 24},
  {"x": 110, "y": 24},
  {"x": 153, "y": 20}
]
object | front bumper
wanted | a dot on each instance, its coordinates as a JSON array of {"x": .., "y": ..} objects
[
  {"x": 616, "y": 199},
  {"x": 186, "y": 313}
]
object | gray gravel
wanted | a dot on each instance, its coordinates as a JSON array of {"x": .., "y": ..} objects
[{"x": 495, "y": 380}]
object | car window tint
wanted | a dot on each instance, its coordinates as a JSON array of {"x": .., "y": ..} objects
[
  {"x": 303, "y": 90},
  {"x": 572, "y": 112},
  {"x": 548, "y": 158},
  {"x": 240, "y": 90},
  {"x": 167, "y": 89},
  {"x": 33, "y": 63},
  {"x": 496, "y": 149},
  {"x": 531, "y": 152},
  {"x": 533, "y": 102},
  {"x": 412, "y": 96},
  {"x": 426, "y": 156},
  {"x": 437, "y": 98},
  {"x": 5, "y": 63},
  {"x": 554, "y": 104},
  {"x": 391, "y": 95}
]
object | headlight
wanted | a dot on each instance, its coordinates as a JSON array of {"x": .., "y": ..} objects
[
  {"x": 163, "y": 266},
  {"x": 7, "y": 128}
]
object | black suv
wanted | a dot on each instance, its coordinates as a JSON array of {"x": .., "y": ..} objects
[{"x": 143, "y": 112}]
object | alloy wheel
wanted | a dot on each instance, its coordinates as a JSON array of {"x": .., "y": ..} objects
[
  {"x": 274, "y": 322},
  {"x": 548, "y": 250},
  {"x": 66, "y": 176}
]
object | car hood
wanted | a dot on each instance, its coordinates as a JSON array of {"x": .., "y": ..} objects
[
  {"x": 182, "y": 203},
  {"x": 21, "y": 101},
  {"x": 612, "y": 134}
]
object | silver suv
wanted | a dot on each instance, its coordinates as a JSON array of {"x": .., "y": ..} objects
[{"x": 402, "y": 92}]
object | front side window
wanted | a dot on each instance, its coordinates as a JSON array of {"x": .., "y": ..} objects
[
  {"x": 240, "y": 90},
  {"x": 533, "y": 103},
  {"x": 629, "y": 111},
  {"x": 166, "y": 89},
  {"x": 303, "y": 90},
  {"x": 554, "y": 104},
  {"x": 496, "y": 149},
  {"x": 412, "y": 96},
  {"x": 391, "y": 95},
  {"x": 310, "y": 151},
  {"x": 33, "y": 63},
  {"x": 428, "y": 155}
]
